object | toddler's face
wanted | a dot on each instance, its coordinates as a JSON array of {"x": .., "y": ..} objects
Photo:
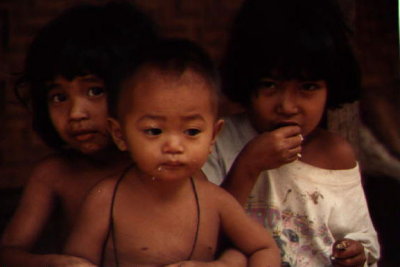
[
  {"x": 78, "y": 110},
  {"x": 167, "y": 123},
  {"x": 279, "y": 103}
]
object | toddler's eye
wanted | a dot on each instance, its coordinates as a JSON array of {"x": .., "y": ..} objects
[
  {"x": 96, "y": 91},
  {"x": 192, "y": 132},
  {"x": 57, "y": 98},
  {"x": 153, "y": 131}
]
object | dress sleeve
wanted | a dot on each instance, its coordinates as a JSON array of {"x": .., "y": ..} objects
[{"x": 350, "y": 217}]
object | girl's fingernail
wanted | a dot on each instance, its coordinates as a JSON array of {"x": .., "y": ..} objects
[
  {"x": 299, "y": 155},
  {"x": 342, "y": 245},
  {"x": 301, "y": 137}
]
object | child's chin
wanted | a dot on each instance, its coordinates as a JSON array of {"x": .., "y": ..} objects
[
  {"x": 172, "y": 176},
  {"x": 91, "y": 148}
]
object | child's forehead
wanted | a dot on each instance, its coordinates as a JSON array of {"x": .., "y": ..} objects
[
  {"x": 157, "y": 78},
  {"x": 60, "y": 80},
  {"x": 287, "y": 73},
  {"x": 155, "y": 83}
]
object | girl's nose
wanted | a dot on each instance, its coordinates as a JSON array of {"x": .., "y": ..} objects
[
  {"x": 288, "y": 104},
  {"x": 78, "y": 110},
  {"x": 173, "y": 145}
]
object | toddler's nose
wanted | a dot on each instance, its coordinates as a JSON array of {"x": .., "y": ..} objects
[{"x": 173, "y": 145}]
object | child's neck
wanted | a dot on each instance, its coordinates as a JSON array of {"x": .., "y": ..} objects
[
  {"x": 107, "y": 158},
  {"x": 311, "y": 137},
  {"x": 159, "y": 188},
  {"x": 311, "y": 149},
  {"x": 109, "y": 154}
]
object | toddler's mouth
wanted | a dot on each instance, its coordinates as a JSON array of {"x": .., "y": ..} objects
[{"x": 171, "y": 165}]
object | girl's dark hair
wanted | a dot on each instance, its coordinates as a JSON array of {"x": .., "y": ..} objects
[
  {"x": 171, "y": 55},
  {"x": 83, "y": 40},
  {"x": 290, "y": 39}
]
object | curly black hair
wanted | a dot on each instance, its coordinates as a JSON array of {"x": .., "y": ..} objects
[
  {"x": 85, "y": 39},
  {"x": 291, "y": 39}
]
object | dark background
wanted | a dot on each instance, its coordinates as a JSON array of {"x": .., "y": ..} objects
[{"x": 375, "y": 26}]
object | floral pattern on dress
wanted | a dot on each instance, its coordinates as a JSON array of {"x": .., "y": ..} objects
[{"x": 295, "y": 234}]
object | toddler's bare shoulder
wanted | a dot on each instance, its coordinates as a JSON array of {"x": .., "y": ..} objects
[
  {"x": 216, "y": 193},
  {"x": 104, "y": 189},
  {"x": 99, "y": 198}
]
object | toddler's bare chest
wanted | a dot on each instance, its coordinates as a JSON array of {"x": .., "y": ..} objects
[{"x": 157, "y": 236}]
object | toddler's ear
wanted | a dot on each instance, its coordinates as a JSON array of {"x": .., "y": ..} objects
[
  {"x": 115, "y": 129},
  {"x": 217, "y": 128}
]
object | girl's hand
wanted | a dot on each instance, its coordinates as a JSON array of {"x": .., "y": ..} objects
[
  {"x": 67, "y": 261},
  {"x": 348, "y": 252},
  {"x": 266, "y": 151},
  {"x": 272, "y": 149}
]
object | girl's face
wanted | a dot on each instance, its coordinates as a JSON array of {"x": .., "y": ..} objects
[
  {"x": 78, "y": 110},
  {"x": 280, "y": 103},
  {"x": 167, "y": 123}
]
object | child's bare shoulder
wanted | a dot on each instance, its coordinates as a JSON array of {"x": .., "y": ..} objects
[
  {"x": 103, "y": 190},
  {"x": 338, "y": 150},
  {"x": 98, "y": 201},
  {"x": 215, "y": 193},
  {"x": 50, "y": 168}
]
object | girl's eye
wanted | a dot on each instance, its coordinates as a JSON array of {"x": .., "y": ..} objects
[
  {"x": 267, "y": 84},
  {"x": 310, "y": 86},
  {"x": 96, "y": 91},
  {"x": 57, "y": 98},
  {"x": 192, "y": 132},
  {"x": 153, "y": 131}
]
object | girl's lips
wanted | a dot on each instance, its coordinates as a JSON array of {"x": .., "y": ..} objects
[
  {"x": 284, "y": 124},
  {"x": 84, "y": 136}
]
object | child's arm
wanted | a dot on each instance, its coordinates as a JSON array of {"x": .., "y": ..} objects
[
  {"x": 32, "y": 214},
  {"x": 90, "y": 231},
  {"x": 266, "y": 151},
  {"x": 27, "y": 223},
  {"x": 350, "y": 222},
  {"x": 229, "y": 258},
  {"x": 247, "y": 235}
]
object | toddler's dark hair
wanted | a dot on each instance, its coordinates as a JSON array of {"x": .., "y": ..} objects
[
  {"x": 290, "y": 39},
  {"x": 85, "y": 39},
  {"x": 171, "y": 55}
]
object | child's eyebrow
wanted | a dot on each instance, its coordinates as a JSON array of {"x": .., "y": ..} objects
[
  {"x": 152, "y": 117},
  {"x": 91, "y": 78},
  {"x": 52, "y": 85},
  {"x": 163, "y": 118},
  {"x": 193, "y": 117}
]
